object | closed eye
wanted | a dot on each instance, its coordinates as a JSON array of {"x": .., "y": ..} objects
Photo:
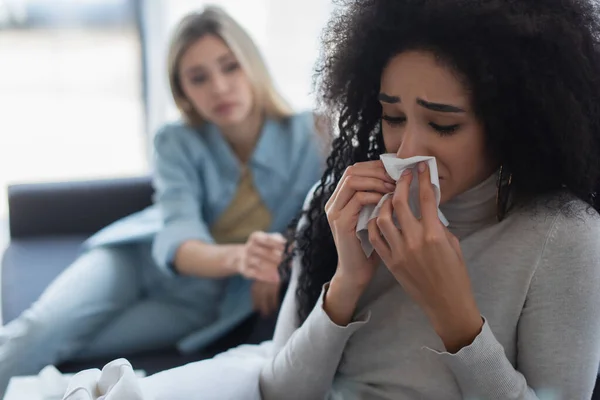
[
  {"x": 231, "y": 67},
  {"x": 198, "y": 79},
  {"x": 445, "y": 129},
  {"x": 393, "y": 121}
]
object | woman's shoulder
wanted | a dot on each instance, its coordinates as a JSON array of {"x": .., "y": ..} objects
[
  {"x": 564, "y": 233},
  {"x": 176, "y": 129},
  {"x": 307, "y": 133},
  {"x": 301, "y": 125},
  {"x": 178, "y": 136},
  {"x": 562, "y": 208},
  {"x": 298, "y": 120},
  {"x": 576, "y": 220},
  {"x": 566, "y": 223}
]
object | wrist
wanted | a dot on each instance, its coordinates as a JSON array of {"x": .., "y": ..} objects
[
  {"x": 458, "y": 330},
  {"x": 341, "y": 300},
  {"x": 349, "y": 283},
  {"x": 234, "y": 255}
]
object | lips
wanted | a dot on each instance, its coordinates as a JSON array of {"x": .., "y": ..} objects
[{"x": 224, "y": 108}]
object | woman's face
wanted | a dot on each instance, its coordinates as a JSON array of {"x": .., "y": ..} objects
[
  {"x": 427, "y": 112},
  {"x": 214, "y": 83}
]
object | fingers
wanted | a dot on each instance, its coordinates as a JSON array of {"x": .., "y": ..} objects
[
  {"x": 401, "y": 204},
  {"x": 258, "y": 267},
  {"x": 353, "y": 184},
  {"x": 429, "y": 213},
  {"x": 379, "y": 243},
  {"x": 261, "y": 270},
  {"x": 369, "y": 169},
  {"x": 358, "y": 201},
  {"x": 274, "y": 241},
  {"x": 265, "y": 254},
  {"x": 373, "y": 169},
  {"x": 385, "y": 222}
]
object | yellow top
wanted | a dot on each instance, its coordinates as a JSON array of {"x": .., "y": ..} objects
[{"x": 245, "y": 214}]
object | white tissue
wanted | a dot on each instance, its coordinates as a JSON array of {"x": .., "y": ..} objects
[
  {"x": 394, "y": 167},
  {"x": 52, "y": 383},
  {"x": 116, "y": 381},
  {"x": 232, "y": 375}
]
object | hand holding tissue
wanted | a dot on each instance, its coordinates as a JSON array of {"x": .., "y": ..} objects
[
  {"x": 422, "y": 255},
  {"x": 395, "y": 166}
]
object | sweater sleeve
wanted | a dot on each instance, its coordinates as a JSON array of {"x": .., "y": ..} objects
[
  {"x": 558, "y": 337},
  {"x": 306, "y": 358}
]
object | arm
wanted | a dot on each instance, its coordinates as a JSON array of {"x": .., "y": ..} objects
[
  {"x": 306, "y": 358},
  {"x": 305, "y": 366},
  {"x": 185, "y": 243},
  {"x": 206, "y": 260},
  {"x": 559, "y": 329}
]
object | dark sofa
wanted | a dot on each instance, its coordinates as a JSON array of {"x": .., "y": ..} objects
[{"x": 48, "y": 223}]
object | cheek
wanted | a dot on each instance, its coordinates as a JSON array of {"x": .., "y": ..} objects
[
  {"x": 392, "y": 141},
  {"x": 476, "y": 161},
  {"x": 198, "y": 96},
  {"x": 246, "y": 90},
  {"x": 240, "y": 83},
  {"x": 463, "y": 163}
]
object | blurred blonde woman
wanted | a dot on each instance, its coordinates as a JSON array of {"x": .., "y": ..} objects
[{"x": 229, "y": 178}]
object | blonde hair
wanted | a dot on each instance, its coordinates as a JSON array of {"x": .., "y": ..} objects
[{"x": 214, "y": 21}]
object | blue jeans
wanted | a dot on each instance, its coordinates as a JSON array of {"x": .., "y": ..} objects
[{"x": 111, "y": 302}]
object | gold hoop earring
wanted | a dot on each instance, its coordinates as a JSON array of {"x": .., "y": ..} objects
[{"x": 503, "y": 193}]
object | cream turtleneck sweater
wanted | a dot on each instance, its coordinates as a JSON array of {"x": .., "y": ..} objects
[{"x": 536, "y": 280}]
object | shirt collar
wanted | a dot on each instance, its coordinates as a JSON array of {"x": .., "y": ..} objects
[{"x": 270, "y": 153}]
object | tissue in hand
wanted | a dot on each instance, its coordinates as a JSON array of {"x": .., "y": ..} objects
[{"x": 394, "y": 167}]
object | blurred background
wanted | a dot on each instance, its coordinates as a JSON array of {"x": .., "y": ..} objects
[{"x": 83, "y": 82}]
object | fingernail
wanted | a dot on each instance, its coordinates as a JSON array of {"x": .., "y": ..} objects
[
  {"x": 390, "y": 186},
  {"x": 406, "y": 172},
  {"x": 422, "y": 167}
]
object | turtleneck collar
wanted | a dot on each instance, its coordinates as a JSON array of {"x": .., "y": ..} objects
[{"x": 472, "y": 210}]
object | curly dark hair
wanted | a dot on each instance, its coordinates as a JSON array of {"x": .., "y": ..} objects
[{"x": 532, "y": 68}]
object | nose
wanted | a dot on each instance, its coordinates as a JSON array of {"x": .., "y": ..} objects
[
  {"x": 219, "y": 84},
  {"x": 411, "y": 144}
]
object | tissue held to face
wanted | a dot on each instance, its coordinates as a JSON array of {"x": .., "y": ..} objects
[{"x": 427, "y": 111}]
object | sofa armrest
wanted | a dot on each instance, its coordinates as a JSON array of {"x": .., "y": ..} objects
[{"x": 69, "y": 208}]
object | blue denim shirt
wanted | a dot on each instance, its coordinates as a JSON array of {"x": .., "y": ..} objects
[{"x": 196, "y": 176}]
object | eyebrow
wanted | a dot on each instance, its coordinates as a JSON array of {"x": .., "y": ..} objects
[
  {"x": 226, "y": 57},
  {"x": 194, "y": 69},
  {"x": 386, "y": 98},
  {"x": 201, "y": 68},
  {"x": 439, "y": 107}
]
